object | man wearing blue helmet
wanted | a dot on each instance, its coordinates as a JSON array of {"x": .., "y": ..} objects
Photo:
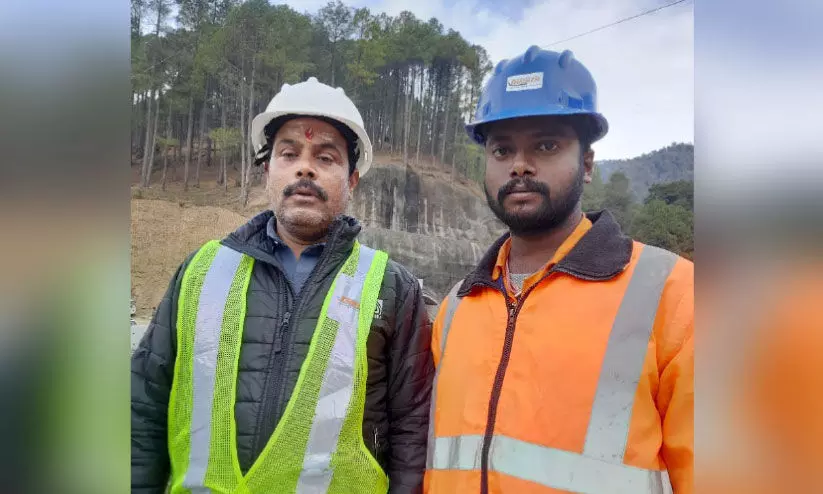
[{"x": 565, "y": 360}]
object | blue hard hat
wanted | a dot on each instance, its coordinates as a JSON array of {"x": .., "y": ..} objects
[{"x": 537, "y": 83}]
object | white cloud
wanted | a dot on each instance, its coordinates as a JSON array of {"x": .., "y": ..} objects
[
  {"x": 643, "y": 67},
  {"x": 311, "y": 6}
]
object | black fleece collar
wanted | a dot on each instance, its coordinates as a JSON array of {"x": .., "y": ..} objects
[
  {"x": 253, "y": 239},
  {"x": 602, "y": 253}
]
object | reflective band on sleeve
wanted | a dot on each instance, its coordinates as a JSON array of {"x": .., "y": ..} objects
[
  {"x": 209, "y": 323},
  {"x": 553, "y": 468},
  {"x": 338, "y": 380},
  {"x": 452, "y": 301},
  {"x": 625, "y": 355}
]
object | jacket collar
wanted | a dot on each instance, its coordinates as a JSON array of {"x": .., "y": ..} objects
[
  {"x": 253, "y": 239},
  {"x": 602, "y": 253}
]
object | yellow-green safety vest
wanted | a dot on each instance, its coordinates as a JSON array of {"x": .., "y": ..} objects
[{"x": 317, "y": 446}]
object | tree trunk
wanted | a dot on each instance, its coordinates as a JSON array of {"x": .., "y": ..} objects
[
  {"x": 154, "y": 138},
  {"x": 188, "y": 143},
  {"x": 247, "y": 177},
  {"x": 208, "y": 159},
  {"x": 433, "y": 121},
  {"x": 134, "y": 135},
  {"x": 151, "y": 134},
  {"x": 393, "y": 121},
  {"x": 423, "y": 107},
  {"x": 412, "y": 101},
  {"x": 242, "y": 88},
  {"x": 141, "y": 100},
  {"x": 400, "y": 116},
  {"x": 356, "y": 89},
  {"x": 407, "y": 116},
  {"x": 333, "y": 50},
  {"x": 454, "y": 143},
  {"x": 445, "y": 135},
  {"x": 159, "y": 20},
  {"x": 166, "y": 149},
  {"x": 178, "y": 149},
  {"x": 146, "y": 146},
  {"x": 368, "y": 121},
  {"x": 223, "y": 153},
  {"x": 385, "y": 125},
  {"x": 202, "y": 139},
  {"x": 456, "y": 122},
  {"x": 387, "y": 112},
  {"x": 378, "y": 129},
  {"x": 150, "y": 140},
  {"x": 391, "y": 113}
]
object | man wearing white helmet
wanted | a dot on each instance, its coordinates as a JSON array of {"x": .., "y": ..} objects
[{"x": 288, "y": 357}]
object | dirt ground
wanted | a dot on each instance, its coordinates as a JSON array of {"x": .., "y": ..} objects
[{"x": 163, "y": 233}]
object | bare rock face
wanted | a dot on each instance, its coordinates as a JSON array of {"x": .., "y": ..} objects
[{"x": 436, "y": 227}]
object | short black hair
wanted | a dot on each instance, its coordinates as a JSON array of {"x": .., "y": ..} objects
[{"x": 270, "y": 130}]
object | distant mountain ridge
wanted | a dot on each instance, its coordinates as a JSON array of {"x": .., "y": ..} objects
[{"x": 669, "y": 164}]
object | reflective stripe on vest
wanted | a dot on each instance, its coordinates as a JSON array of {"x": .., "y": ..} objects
[
  {"x": 208, "y": 326},
  {"x": 338, "y": 379},
  {"x": 550, "y": 467},
  {"x": 451, "y": 308},
  {"x": 600, "y": 467},
  {"x": 317, "y": 446}
]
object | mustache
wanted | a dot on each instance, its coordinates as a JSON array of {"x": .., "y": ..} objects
[
  {"x": 522, "y": 185},
  {"x": 305, "y": 183}
]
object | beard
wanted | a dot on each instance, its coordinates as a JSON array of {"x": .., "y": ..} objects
[{"x": 553, "y": 211}]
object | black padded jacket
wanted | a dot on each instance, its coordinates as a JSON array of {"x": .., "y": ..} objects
[{"x": 276, "y": 336}]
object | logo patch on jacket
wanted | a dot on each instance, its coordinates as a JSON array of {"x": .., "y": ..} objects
[
  {"x": 378, "y": 310},
  {"x": 354, "y": 304}
]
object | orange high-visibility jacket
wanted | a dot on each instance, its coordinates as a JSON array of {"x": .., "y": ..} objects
[{"x": 583, "y": 383}]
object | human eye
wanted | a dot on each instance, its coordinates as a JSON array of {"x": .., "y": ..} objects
[
  {"x": 500, "y": 152},
  {"x": 547, "y": 146}
]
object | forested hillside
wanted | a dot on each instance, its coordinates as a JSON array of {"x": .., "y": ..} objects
[
  {"x": 664, "y": 218},
  {"x": 672, "y": 163},
  {"x": 201, "y": 69},
  {"x": 199, "y": 78}
]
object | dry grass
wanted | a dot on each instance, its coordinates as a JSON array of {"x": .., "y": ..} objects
[{"x": 162, "y": 235}]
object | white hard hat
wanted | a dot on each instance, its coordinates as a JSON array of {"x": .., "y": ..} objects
[{"x": 315, "y": 98}]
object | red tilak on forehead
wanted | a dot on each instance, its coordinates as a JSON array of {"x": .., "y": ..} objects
[{"x": 309, "y": 133}]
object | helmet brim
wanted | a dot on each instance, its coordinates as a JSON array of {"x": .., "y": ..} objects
[{"x": 601, "y": 125}]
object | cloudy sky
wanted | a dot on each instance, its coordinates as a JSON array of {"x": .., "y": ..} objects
[{"x": 643, "y": 67}]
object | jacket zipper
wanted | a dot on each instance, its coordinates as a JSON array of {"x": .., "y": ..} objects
[
  {"x": 274, "y": 378},
  {"x": 494, "y": 400},
  {"x": 269, "y": 396},
  {"x": 285, "y": 336},
  {"x": 278, "y": 336}
]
